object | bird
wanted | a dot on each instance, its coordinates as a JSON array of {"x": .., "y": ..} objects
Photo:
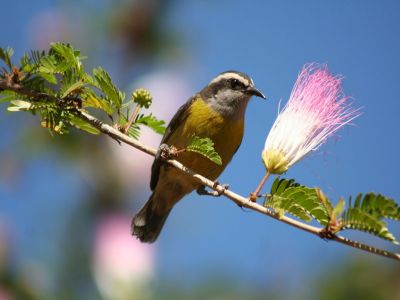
[{"x": 216, "y": 112}]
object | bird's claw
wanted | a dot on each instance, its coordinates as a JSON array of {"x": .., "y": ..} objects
[
  {"x": 166, "y": 152},
  {"x": 216, "y": 193},
  {"x": 219, "y": 192}
]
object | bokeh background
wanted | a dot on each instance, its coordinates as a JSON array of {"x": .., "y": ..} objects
[{"x": 66, "y": 201}]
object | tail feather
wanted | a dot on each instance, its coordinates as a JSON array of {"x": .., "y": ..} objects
[{"x": 147, "y": 223}]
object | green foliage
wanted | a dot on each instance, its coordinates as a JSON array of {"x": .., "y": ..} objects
[
  {"x": 56, "y": 86},
  {"x": 7, "y": 96},
  {"x": 152, "y": 122},
  {"x": 337, "y": 210},
  {"x": 5, "y": 55},
  {"x": 354, "y": 218},
  {"x": 81, "y": 124},
  {"x": 365, "y": 214},
  {"x": 19, "y": 105},
  {"x": 111, "y": 92},
  {"x": 92, "y": 100},
  {"x": 205, "y": 147},
  {"x": 52, "y": 118},
  {"x": 297, "y": 200},
  {"x": 377, "y": 205}
]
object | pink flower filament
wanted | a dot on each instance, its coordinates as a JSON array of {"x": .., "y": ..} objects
[{"x": 316, "y": 109}]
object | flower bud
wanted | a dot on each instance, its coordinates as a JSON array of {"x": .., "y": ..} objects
[{"x": 275, "y": 161}]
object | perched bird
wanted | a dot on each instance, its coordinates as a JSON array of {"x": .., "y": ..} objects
[{"x": 216, "y": 112}]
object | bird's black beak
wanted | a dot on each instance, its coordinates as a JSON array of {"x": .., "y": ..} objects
[{"x": 252, "y": 90}]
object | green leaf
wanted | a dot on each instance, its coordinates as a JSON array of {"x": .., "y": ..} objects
[
  {"x": 367, "y": 212},
  {"x": 54, "y": 118},
  {"x": 6, "y": 96},
  {"x": 69, "y": 57},
  {"x": 31, "y": 63},
  {"x": 338, "y": 209},
  {"x": 106, "y": 85},
  {"x": 152, "y": 122},
  {"x": 5, "y": 55},
  {"x": 65, "y": 51},
  {"x": 86, "y": 78},
  {"x": 19, "y": 105},
  {"x": 327, "y": 204},
  {"x": 83, "y": 125},
  {"x": 48, "y": 65},
  {"x": 62, "y": 59},
  {"x": 297, "y": 200},
  {"x": 205, "y": 147},
  {"x": 282, "y": 184},
  {"x": 92, "y": 100},
  {"x": 282, "y": 205},
  {"x": 134, "y": 131},
  {"x": 355, "y": 218},
  {"x": 51, "y": 78},
  {"x": 378, "y": 206},
  {"x": 70, "y": 88}
]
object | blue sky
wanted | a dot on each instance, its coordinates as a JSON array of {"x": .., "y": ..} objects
[{"x": 269, "y": 40}]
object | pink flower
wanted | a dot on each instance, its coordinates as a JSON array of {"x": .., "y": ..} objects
[
  {"x": 316, "y": 109},
  {"x": 123, "y": 267}
]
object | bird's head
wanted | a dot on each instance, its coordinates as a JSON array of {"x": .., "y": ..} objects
[{"x": 229, "y": 93}]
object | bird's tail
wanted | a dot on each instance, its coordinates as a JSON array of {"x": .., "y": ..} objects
[{"x": 147, "y": 223}]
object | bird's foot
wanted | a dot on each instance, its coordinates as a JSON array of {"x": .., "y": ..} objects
[
  {"x": 168, "y": 152},
  {"x": 165, "y": 152},
  {"x": 216, "y": 193}
]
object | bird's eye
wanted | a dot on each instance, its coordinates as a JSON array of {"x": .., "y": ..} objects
[{"x": 235, "y": 84}]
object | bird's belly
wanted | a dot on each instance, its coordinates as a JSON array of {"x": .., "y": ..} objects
[{"x": 226, "y": 135}]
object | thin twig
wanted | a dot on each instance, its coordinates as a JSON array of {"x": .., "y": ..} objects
[
  {"x": 131, "y": 120},
  {"x": 254, "y": 195},
  {"x": 238, "y": 199}
]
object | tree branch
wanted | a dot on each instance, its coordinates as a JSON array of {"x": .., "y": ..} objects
[{"x": 238, "y": 199}]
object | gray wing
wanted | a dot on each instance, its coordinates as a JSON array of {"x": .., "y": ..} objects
[{"x": 177, "y": 119}]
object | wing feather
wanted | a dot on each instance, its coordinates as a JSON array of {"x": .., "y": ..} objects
[{"x": 177, "y": 120}]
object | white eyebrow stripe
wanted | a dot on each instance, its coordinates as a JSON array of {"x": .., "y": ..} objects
[
  {"x": 251, "y": 82},
  {"x": 225, "y": 76}
]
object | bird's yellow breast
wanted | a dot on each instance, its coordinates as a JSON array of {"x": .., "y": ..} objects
[{"x": 203, "y": 121}]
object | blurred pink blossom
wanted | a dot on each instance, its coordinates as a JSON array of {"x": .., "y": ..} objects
[
  {"x": 316, "y": 109},
  {"x": 123, "y": 267},
  {"x": 5, "y": 295}
]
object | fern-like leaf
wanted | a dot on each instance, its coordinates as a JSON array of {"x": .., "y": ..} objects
[
  {"x": 356, "y": 218},
  {"x": 297, "y": 200},
  {"x": 90, "y": 99},
  {"x": 205, "y": 147},
  {"x": 378, "y": 206},
  {"x": 83, "y": 125},
  {"x": 6, "y": 96},
  {"x": 106, "y": 85},
  {"x": 152, "y": 122},
  {"x": 5, "y": 55},
  {"x": 366, "y": 213}
]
